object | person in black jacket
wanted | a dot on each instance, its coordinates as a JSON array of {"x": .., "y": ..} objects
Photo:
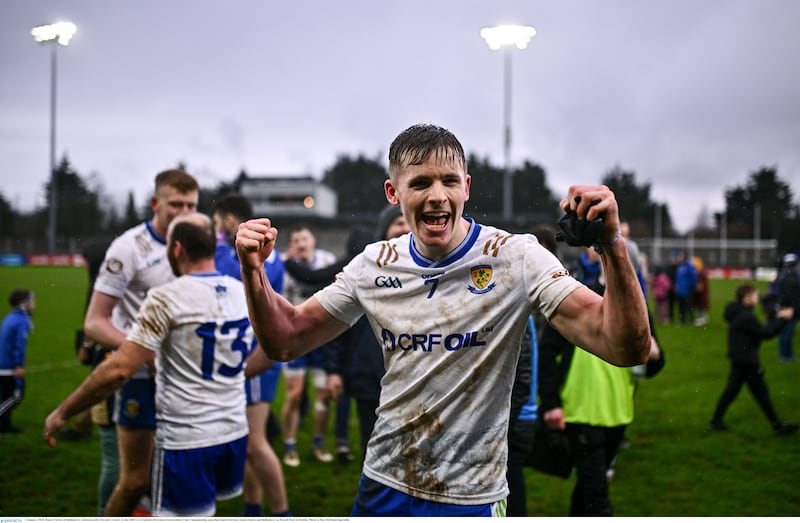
[
  {"x": 788, "y": 290},
  {"x": 355, "y": 363},
  {"x": 745, "y": 333}
]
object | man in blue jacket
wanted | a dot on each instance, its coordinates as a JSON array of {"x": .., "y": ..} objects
[
  {"x": 685, "y": 280},
  {"x": 13, "y": 345}
]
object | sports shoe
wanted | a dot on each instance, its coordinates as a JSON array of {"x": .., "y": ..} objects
[
  {"x": 782, "y": 428},
  {"x": 717, "y": 427},
  {"x": 141, "y": 512},
  {"x": 344, "y": 454},
  {"x": 320, "y": 454},
  {"x": 291, "y": 459}
]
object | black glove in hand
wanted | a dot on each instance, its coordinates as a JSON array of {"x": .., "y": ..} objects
[{"x": 577, "y": 232}]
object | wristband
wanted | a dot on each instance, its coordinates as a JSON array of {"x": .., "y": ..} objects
[{"x": 598, "y": 246}]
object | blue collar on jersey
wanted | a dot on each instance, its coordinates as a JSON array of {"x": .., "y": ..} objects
[
  {"x": 152, "y": 232},
  {"x": 205, "y": 274},
  {"x": 452, "y": 256}
]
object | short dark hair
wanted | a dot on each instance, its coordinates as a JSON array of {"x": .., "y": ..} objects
[
  {"x": 744, "y": 290},
  {"x": 414, "y": 145},
  {"x": 18, "y": 297},
  {"x": 236, "y": 204},
  {"x": 198, "y": 240},
  {"x": 177, "y": 178},
  {"x": 300, "y": 226}
]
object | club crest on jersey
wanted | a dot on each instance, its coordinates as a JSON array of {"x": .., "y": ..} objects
[
  {"x": 482, "y": 278},
  {"x": 132, "y": 409},
  {"x": 114, "y": 265}
]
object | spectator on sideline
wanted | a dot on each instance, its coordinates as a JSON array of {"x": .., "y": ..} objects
[
  {"x": 448, "y": 305},
  {"x": 788, "y": 296},
  {"x": 263, "y": 474},
  {"x": 134, "y": 262},
  {"x": 745, "y": 333},
  {"x": 302, "y": 247},
  {"x": 13, "y": 349},
  {"x": 593, "y": 401},
  {"x": 702, "y": 293},
  {"x": 685, "y": 281},
  {"x": 192, "y": 330},
  {"x": 661, "y": 285}
]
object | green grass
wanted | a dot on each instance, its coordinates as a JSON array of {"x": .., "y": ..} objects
[{"x": 673, "y": 467}]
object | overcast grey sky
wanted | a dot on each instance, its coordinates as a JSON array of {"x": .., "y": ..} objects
[{"x": 692, "y": 96}]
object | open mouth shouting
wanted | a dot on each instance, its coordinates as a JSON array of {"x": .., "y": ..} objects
[{"x": 436, "y": 221}]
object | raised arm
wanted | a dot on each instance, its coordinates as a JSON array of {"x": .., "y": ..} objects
[
  {"x": 283, "y": 331},
  {"x": 614, "y": 326}
]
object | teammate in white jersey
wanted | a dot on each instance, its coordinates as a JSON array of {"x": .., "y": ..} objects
[
  {"x": 135, "y": 262},
  {"x": 262, "y": 473},
  {"x": 449, "y": 302},
  {"x": 196, "y": 331}
]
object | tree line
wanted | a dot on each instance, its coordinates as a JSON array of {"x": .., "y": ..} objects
[{"x": 85, "y": 211}]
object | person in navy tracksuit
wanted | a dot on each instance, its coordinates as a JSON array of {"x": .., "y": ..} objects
[{"x": 13, "y": 345}]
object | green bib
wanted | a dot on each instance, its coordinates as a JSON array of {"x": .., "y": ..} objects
[{"x": 597, "y": 393}]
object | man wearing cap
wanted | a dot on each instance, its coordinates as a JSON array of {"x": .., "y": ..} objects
[{"x": 788, "y": 296}]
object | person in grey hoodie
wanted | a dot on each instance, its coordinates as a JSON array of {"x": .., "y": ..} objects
[{"x": 745, "y": 333}]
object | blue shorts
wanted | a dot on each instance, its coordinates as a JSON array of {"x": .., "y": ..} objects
[
  {"x": 189, "y": 482},
  {"x": 135, "y": 403},
  {"x": 261, "y": 388},
  {"x": 377, "y": 500}
]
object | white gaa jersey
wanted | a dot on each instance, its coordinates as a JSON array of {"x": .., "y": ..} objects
[
  {"x": 450, "y": 330},
  {"x": 199, "y": 328},
  {"x": 134, "y": 262}
]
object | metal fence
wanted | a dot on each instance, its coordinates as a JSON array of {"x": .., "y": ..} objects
[{"x": 714, "y": 252}]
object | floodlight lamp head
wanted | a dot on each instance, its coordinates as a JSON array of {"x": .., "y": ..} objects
[
  {"x": 508, "y": 35},
  {"x": 60, "y": 33}
]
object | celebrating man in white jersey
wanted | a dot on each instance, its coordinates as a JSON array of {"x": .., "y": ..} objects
[
  {"x": 198, "y": 326},
  {"x": 449, "y": 302}
]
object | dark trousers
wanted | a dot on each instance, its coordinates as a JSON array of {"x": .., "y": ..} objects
[
  {"x": 753, "y": 375},
  {"x": 10, "y": 397},
  {"x": 342, "y": 425},
  {"x": 594, "y": 448},
  {"x": 520, "y": 442},
  {"x": 686, "y": 308}
]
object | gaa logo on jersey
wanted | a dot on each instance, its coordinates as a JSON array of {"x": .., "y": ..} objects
[{"x": 482, "y": 278}]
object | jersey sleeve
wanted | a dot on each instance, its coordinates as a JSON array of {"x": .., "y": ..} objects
[
  {"x": 153, "y": 322},
  {"x": 117, "y": 270},
  {"x": 547, "y": 281},
  {"x": 340, "y": 298}
]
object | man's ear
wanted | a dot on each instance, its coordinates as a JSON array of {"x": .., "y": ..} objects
[
  {"x": 177, "y": 248},
  {"x": 391, "y": 193}
]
